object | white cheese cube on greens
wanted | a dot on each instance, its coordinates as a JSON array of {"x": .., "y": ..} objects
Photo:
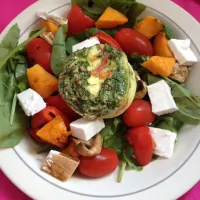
[
  {"x": 164, "y": 142},
  {"x": 161, "y": 98},
  {"x": 86, "y": 44},
  {"x": 85, "y": 129},
  {"x": 182, "y": 52},
  {"x": 31, "y": 102}
]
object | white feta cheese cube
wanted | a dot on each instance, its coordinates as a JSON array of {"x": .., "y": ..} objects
[
  {"x": 85, "y": 129},
  {"x": 182, "y": 52},
  {"x": 86, "y": 44},
  {"x": 31, "y": 102},
  {"x": 161, "y": 98},
  {"x": 164, "y": 142}
]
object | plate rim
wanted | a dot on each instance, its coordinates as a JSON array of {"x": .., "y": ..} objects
[{"x": 4, "y": 165}]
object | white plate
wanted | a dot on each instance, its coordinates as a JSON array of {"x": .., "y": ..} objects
[{"x": 162, "y": 179}]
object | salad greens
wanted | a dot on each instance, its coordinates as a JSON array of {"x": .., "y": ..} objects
[
  {"x": 13, "y": 79},
  {"x": 95, "y": 8},
  {"x": 113, "y": 137},
  {"x": 188, "y": 104},
  {"x": 59, "y": 51}
]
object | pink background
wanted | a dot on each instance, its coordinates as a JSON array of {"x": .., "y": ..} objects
[{"x": 9, "y": 10}]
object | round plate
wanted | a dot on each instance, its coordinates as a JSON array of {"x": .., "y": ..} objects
[{"x": 162, "y": 179}]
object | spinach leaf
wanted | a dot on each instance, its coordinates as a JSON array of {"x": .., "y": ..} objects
[
  {"x": 169, "y": 123},
  {"x": 128, "y": 161},
  {"x": 58, "y": 55},
  {"x": 13, "y": 108},
  {"x": 135, "y": 10},
  {"x": 79, "y": 38},
  {"x": 16, "y": 49},
  {"x": 168, "y": 32},
  {"x": 113, "y": 134},
  {"x": 135, "y": 59},
  {"x": 10, "y": 41},
  {"x": 188, "y": 104}
]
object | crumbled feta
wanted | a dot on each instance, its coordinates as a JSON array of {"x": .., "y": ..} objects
[
  {"x": 85, "y": 129},
  {"x": 182, "y": 52},
  {"x": 161, "y": 98},
  {"x": 86, "y": 44},
  {"x": 164, "y": 142},
  {"x": 31, "y": 102}
]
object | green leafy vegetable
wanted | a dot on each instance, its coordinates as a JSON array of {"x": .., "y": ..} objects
[
  {"x": 128, "y": 161},
  {"x": 113, "y": 134},
  {"x": 188, "y": 104},
  {"x": 168, "y": 123},
  {"x": 168, "y": 32},
  {"x": 12, "y": 37},
  {"x": 71, "y": 41},
  {"x": 58, "y": 52},
  {"x": 21, "y": 46},
  {"x": 13, "y": 122}
]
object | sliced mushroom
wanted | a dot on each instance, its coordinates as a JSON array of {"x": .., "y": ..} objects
[
  {"x": 141, "y": 87},
  {"x": 48, "y": 36},
  {"x": 91, "y": 147},
  {"x": 180, "y": 73}
]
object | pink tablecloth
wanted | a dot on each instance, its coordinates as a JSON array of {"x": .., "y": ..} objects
[{"x": 9, "y": 9}]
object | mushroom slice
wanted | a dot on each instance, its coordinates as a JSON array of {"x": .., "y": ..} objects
[
  {"x": 90, "y": 148},
  {"x": 48, "y": 36},
  {"x": 141, "y": 87},
  {"x": 180, "y": 73}
]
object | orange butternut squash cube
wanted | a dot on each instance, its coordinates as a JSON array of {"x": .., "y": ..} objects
[
  {"x": 41, "y": 81},
  {"x": 111, "y": 18},
  {"x": 149, "y": 26},
  {"x": 50, "y": 26},
  {"x": 55, "y": 132},
  {"x": 70, "y": 149},
  {"x": 161, "y": 47},
  {"x": 162, "y": 66}
]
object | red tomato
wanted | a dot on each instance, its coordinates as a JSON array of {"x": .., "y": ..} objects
[
  {"x": 32, "y": 133},
  {"x": 78, "y": 21},
  {"x": 99, "y": 165},
  {"x": 46, "y": 115},
  {"x": 107, "y": 39},
  {"x": 138, "y": 114},
  {"x": 132, "y": 41},
  {"x": 142, "y": 144},
  {"x": 39, "y": 52},
  {"x": 57, "y": 102}
]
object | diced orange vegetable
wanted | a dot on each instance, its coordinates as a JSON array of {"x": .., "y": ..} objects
[
  {"x": 50, "y": 26},
  {"x": 71, "y": 149},
  {"x": 41, "y": 81},
  {"x": 55, "y": 132},
  {"x": 149, "y": 26},
  {"x": 161, "y": 47},
  {"x": 160, "y": 65},
  {"x": 111, "y": 18}
]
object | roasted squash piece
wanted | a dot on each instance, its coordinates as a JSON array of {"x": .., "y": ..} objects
[
  {"x": 41, "y": 81},
  {"x": 50, "y": 26},
  {"x": 161, "y": 47},
  {"x": 55, "y": 132},
  {"x": 162, "y": 66},
  {"x": 111, "y": 18},
  {"x": 149, "y": 26},
  {"x": 70, "y": 149}
]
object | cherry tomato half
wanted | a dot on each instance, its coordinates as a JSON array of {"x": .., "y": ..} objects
[
  {"x": 39, "y": 52},
  {"x": 78, "y": 21},
  {"x": 99, "y": 165},
  {"x": 107, "y": 39},
  {"x": 139, "y": 114},
  {"x": 132, "y": 41},
  {"x": 141, "y": 141}
]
